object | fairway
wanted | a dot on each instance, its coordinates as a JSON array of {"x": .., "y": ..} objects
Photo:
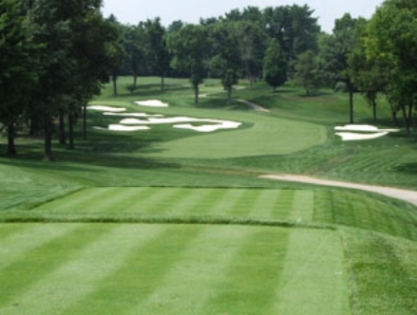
[{"x": 169, "y": 269}]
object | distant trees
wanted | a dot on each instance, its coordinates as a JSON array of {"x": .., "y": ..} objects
[
  {"x": 159, "y": 56},
  {"x": 307, "y": 72},
  {"x": 275, "y": 65},
  {"x": 189, "y": 46},
  {"x": 335, "y": 51},
  {"x": 227, "y": 57}
]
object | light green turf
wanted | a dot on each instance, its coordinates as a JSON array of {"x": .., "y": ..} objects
[
  {"x": 144, "y": 204},
  {"x": 165, "y": 269},
  {"x": 266, "y": 136}
]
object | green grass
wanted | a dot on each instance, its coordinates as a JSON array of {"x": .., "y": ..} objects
[
  {"x": 171, "y": 221},
  {"x": 175, "y": 269}
]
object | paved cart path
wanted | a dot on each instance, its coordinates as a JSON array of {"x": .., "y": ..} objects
[{"x": 402, "y": 194}]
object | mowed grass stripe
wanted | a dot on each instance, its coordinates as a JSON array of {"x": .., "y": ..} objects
[
  {"x": 265, "y": 204},
  {"x": 245, "y": 204},
  {"x": 28, "y": 237},
  {"x": 284, "y": 204},
  {"x": 161, "y": 200},
  {"x": 8, "y": 229},
  {"x": 35, "y": 264},
  {"x": 314, "y": 280},
  {"x": 252, "y": 275},
  {"x": 192, "y": 202},
  {"x": 79, "y": 275},
  {"x": 142, "y": 271},
  {"x": 303, "y": 205},
  {"x": 225, "y": 204},
  {"x": 77, "y": 201},
  {"x": 118, "y": 199},
  {"x": 195, "y": 276}
]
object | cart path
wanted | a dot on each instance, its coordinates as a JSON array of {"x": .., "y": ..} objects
[
  {"x": 254, "y": 106},
  {"x": 401, "y": 194}
]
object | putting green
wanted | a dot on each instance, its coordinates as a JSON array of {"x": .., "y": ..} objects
[
  {"x": 169, "y": 269},
  {"x": 268, "y": 135}
]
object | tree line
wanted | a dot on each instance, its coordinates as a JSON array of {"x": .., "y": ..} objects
[
  {"x": 55, "y": 56},
  {"x": 375, "y": 57}
]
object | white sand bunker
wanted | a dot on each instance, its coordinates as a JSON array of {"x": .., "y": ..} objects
[
  {"x": 152, "y": 103},
  {"x": 350, "y": 136},
  {"x": 106, "y": 108},
  {"x": 123, "y": 128},
  {"x": 211, "y": 126},
  {"x": 131, "y": 115},
  {"x": 363, "y": 128},
  {"x": 363, "y": 132}
]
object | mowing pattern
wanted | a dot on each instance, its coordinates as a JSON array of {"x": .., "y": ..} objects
[
  {"x": 356, "y": 210},
  {"x": 259, "y": 204},
  {"x": 321, "y": 206},
  {"x": 169, "y": 269}
]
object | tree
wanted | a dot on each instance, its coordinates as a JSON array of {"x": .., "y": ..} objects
[
  {"x": 392, "y": 43},
  {"x": 74, "y": 59},
  {"x": 275, "y": 65},
  {"x": 306, "y": 72},
  {"x": 18, "y": 64},
  {"x": 367, "y": 74},
  {"x": 158, "y": 50},
  {"x": 189, "y": 46},
  {"x": 334, "y": 54},
  {"x": 227, "y": 59},
  {"x": 135, "y": 48},
  {"x": 295, "y": 28},
  {"x": 252, "y": 45}
]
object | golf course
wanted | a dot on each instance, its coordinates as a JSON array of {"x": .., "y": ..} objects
[{"x": 167, "y": 208}]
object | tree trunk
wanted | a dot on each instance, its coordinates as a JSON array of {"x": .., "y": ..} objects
[
  {"x": 84, "y": 121},
  {"x": 229, "y": 95},
  {"x": 196, "y": 91},
  {"x": 62, "y": 134},
  {"x": 48, "y": 140},
  {"x": 351, "y": 116},
  {"x": 394, "y": 118},
  {"x": 135, "y": 81},
  {"x": 71, "y": 145},
  {"x": 114, "y": 80},
  {"x": 11, "y": 134},
  {"x": 406, "y": 124},
  {"x": 374, "y": 110},
  {"x": 162, "y": 82}
]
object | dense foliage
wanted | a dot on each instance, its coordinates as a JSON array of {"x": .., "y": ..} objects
[{"x": 54, "y": 57}]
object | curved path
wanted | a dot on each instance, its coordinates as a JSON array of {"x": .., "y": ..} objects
[
  {"x": 254, "y": 106},
  {"x": 402, "y": 194}
]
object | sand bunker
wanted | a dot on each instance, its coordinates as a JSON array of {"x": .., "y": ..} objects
[
  {"x": 152, "y": 103},
  {"x": 213, "y": 126},
  {"x": 106, "y": 108},
  {"x": 364, "y": 132},
  {"x": 131, "y": 115},
  {"x": 363, "y": 128},
  {"x": 209, "y": 128},
  {"x": 350, "y": 136},
  {"x": 123, "y": 128}
]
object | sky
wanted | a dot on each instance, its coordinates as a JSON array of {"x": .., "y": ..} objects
[{"x": 190, "y": 11}]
